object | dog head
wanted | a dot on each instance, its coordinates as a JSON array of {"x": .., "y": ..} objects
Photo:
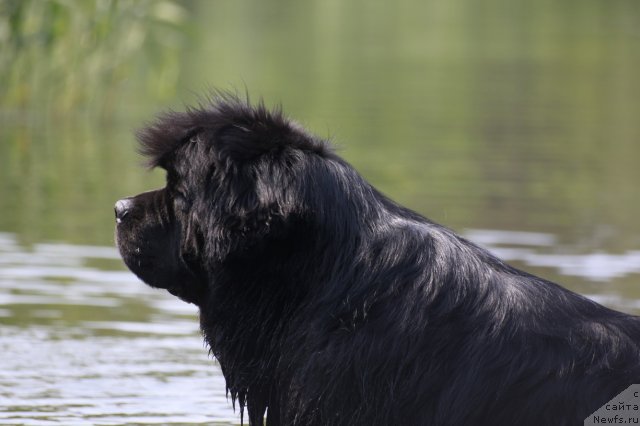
[{"x": 236, "y": 177}]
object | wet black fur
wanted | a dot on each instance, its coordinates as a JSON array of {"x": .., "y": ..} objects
[{"x": 328, "y": 304}]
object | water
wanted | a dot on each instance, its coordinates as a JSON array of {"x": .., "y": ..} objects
[
  {"x": 515, "y": 123},
  {"x": 89, "y": 345}
]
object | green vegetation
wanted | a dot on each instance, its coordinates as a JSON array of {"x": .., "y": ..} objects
[
  {"x": 59, "y": 55},
  {"x": 485, "y": 113}
]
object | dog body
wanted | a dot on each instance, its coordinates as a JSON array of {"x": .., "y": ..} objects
[{"x": 326, "y": 303}]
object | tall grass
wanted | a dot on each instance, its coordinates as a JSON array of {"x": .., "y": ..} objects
[{"x": 63, "y": 55}]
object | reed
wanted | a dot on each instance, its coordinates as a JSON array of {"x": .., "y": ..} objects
[{"x": 64, "y": 55}]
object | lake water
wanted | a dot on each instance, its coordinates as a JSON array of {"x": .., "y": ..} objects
[
  {"x": 514, "y": 123},
  {"x": 83, "y": 342}
]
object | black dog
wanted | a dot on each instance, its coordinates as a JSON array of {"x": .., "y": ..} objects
[{"x": 328, "y": 304}]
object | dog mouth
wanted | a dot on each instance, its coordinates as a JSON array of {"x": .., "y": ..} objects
[
  {"x": 155, "y": 273},
  {"x": 174, "y": 291}
]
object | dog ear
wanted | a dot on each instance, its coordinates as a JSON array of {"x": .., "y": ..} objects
[
  {"x": 250, "y": 206},
  {"x": 258, "y": 192},
  {"x": 251, "y": 179},
  {"x": 256, "y": 154}
]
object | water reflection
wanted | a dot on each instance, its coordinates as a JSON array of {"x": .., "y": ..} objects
[
  {"x": 75, "y": 377},
  {"x": 596, "y": 266},
  {"x": 84, "y": 344},
  {"x": 541, "y": 252}
]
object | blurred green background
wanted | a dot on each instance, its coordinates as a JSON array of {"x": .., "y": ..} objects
[
  {"x": 516, "y": 123},
  {"x": 480, "y": 114},
  {"x": 491, "y": 114}
]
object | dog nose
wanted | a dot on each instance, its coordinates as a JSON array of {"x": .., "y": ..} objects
[{"x": 122, "y": 208}]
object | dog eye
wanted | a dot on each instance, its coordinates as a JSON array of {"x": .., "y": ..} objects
[
  {"x": 181, "y": 200},
  {"x": 193, "y": 136}
]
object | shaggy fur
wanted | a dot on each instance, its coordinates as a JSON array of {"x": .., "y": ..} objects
[{"x": 326, "y": 303}]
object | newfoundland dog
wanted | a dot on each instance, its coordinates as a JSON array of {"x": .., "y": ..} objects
[{"x": 326, "y": 303}]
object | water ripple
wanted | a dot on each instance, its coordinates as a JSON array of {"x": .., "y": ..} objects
[{"x": 83, "y": 345}]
